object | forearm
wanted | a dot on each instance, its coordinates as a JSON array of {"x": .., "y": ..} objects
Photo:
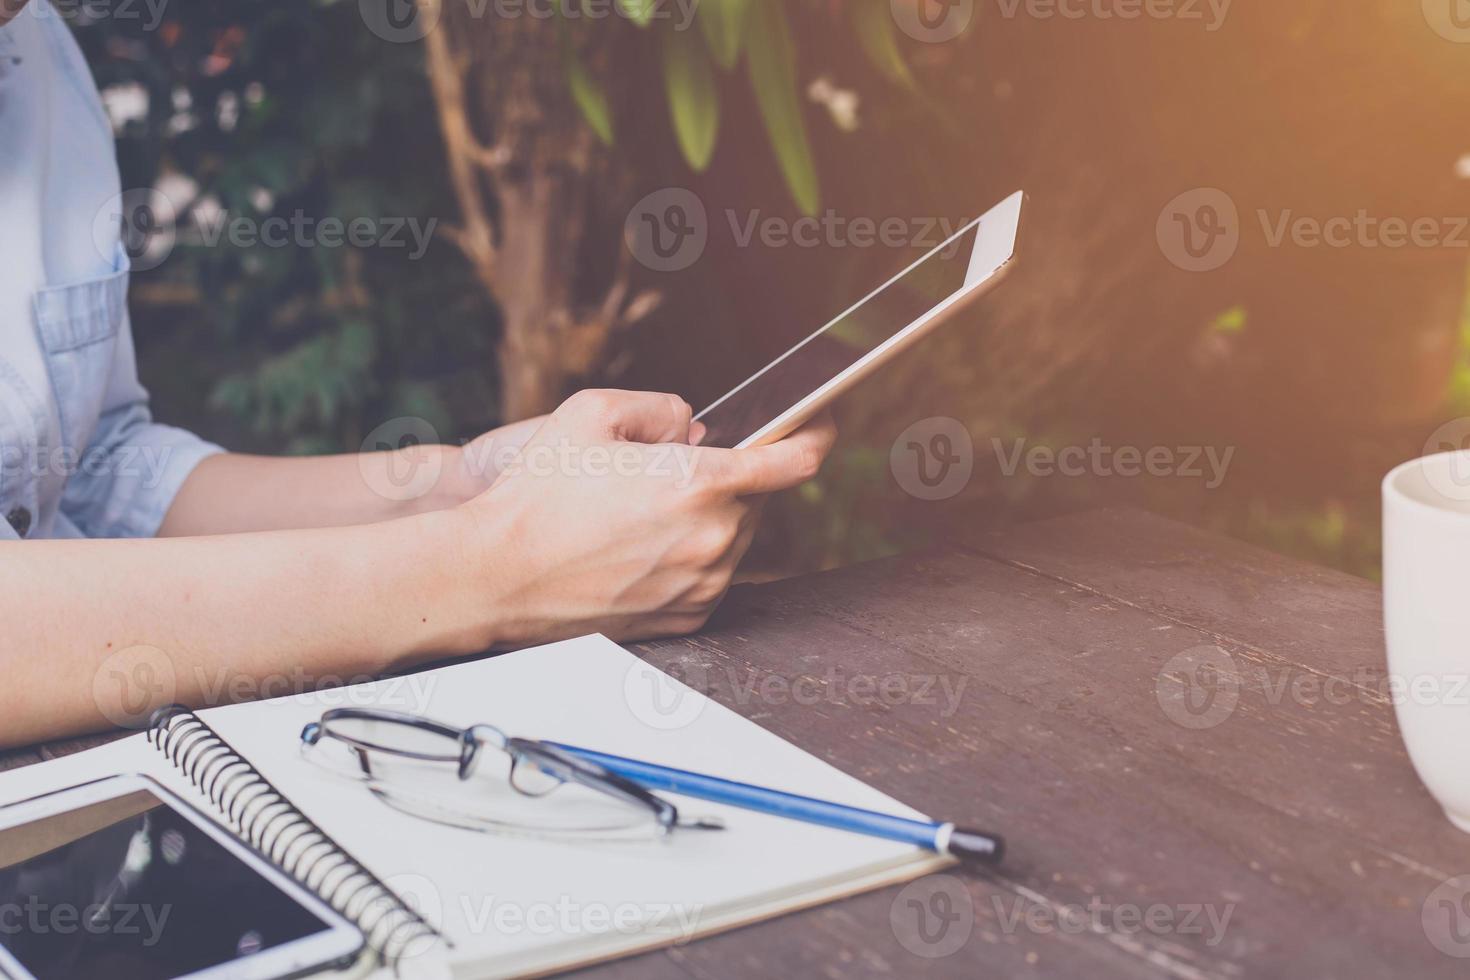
[
  {"x": 209, "y": 616},
  {"x": 235, "y": 492}
]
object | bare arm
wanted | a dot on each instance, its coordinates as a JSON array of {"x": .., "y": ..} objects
[
  {"x": 613, "y": 523},
  {"x": 98, "y": 627},
  {"x": 237, "y": 492}
]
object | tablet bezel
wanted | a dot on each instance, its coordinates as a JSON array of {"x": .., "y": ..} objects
[
  {"x": 1005, "y": 216},
  {"x": 339, "y": 943}
]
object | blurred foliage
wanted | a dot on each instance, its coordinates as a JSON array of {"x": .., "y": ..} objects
[
  {"x": 1459, "y": 393},
  {"x": 268, "y": 110},
  {"x": 274, "y": 108},
  {"x": 263, "y": 110}
]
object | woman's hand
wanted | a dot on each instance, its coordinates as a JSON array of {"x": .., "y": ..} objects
[
  {"x": 610, "y": 521},
  {"x": 233, "y": 492},
  {"x": 477, "y": 464},
  {"x": 607, "y": 520}
]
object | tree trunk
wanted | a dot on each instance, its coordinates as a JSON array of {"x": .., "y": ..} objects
[{"x": 523, "y": 165}]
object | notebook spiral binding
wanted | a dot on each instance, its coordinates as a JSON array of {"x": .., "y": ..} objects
[{"x": 268, "y": 821}]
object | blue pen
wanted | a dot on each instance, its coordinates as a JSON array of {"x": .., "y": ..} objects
[{"x": 945, "y": 838}]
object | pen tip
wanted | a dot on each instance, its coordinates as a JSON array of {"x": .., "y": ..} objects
[
  {"x": 704, "y": 823},
  {"x": 972, "y": 845}
]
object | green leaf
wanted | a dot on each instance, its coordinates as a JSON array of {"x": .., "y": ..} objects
[
  {"x": 694, "y": 101},
  {"x": 873, "y": 21},
  {"x": 1231, "y": 321},
  {"x": 590, "y": 99},
  {"x": 771, "y": 61},
  {"x": 723, "y": 24},
  {"x": 640, "y": 12}
]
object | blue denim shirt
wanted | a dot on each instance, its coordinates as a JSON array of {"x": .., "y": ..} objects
[{"x": 80, "y": 455}]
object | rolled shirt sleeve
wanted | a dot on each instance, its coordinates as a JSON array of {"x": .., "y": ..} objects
[{"x": 126, "y": 478}]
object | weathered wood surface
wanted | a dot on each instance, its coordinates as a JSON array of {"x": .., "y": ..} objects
[{"x": 1034, "y": 685}]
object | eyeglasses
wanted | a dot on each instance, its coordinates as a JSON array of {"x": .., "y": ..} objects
[{"x": 478, "y": 778}]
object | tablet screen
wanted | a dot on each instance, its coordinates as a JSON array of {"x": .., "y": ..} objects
[
  {"x": 129, "y": 888},
  {"x": 840, "y": 344}
]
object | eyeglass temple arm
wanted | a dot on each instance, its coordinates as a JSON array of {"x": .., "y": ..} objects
[{"x": 598, "y": 777}]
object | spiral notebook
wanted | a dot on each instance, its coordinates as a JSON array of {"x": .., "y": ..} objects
[{"x": 430, "y": 897}]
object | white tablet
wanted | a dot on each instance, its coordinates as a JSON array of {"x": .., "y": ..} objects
[
  {"x": 119, "y": 878},
  {"x": 779, "y": 398}
]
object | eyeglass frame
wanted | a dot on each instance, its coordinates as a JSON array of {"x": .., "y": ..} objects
[{"x": 475, "y": 737}]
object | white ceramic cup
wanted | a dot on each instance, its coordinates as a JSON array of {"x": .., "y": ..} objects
[{"x": 1426, "y": 618}]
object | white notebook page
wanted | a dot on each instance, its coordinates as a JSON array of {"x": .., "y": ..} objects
[{"x": 519, "y": 905}]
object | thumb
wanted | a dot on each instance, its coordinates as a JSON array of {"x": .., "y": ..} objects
[{"x": 778, "y": 466}]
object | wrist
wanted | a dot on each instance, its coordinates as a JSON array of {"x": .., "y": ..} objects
[
  {"x": 461, "y": 479},
  {"x": 438, "y": 585}
]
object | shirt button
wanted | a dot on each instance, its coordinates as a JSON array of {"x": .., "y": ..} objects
[{"x": 20, "y": 519}]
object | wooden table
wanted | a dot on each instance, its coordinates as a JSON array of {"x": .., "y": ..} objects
[{"x": 1188, "y": 742}]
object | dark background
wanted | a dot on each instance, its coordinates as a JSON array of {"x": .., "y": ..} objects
[{"x": 1321, "y": 367}]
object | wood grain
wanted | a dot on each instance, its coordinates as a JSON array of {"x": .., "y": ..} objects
[{"x": 1034, "y": 685}]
